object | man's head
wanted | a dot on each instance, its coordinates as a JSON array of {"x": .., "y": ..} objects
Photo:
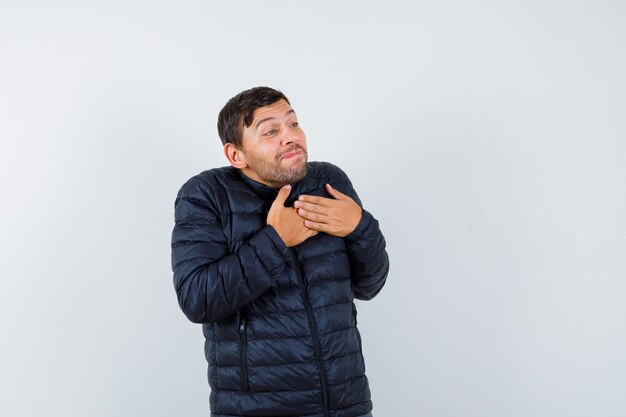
[{"x": 262, "y": 138}]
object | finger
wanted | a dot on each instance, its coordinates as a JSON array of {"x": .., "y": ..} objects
[
  {"x": 319, "y": 227},
  {"x": 321, "y": 201},
  {"x": 283, "y": 193},
  {"x": 318, "y": 218},
  {"x": 335, "y": 193},
  {"x": 311, "y": 207}
]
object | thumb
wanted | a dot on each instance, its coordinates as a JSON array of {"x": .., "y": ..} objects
[{"x": 283, "y": 193}]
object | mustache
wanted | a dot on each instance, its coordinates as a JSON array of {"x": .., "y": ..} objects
[{"x": 295, "y": 148}]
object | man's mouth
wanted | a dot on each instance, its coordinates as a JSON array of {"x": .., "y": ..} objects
[{"x": 292, "y": 154}]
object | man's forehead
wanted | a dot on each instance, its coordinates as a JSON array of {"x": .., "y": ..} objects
[{"x": 279, "y": 109}]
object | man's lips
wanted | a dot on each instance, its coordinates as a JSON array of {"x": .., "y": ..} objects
[{"x": 292, "y": 154}]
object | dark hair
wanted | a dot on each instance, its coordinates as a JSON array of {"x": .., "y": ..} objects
[{"x": 239, "y": 109}]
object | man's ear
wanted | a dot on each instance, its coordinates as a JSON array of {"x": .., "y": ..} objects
[{"x": 235, "y": 156}]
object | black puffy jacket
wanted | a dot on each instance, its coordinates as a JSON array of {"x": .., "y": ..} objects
[{"x": 279, "y": 322}]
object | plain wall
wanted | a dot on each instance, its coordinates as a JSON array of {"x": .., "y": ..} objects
[{"x": 487, "y": 137}]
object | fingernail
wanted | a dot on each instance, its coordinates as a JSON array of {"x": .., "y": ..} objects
[{"x": 288, "y": 186}]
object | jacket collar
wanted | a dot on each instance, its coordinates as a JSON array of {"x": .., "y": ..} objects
[
  {"x": 267, "y": 193},
  {"x": 264, "y": 191}
]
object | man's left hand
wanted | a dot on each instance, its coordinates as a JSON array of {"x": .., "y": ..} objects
[{"x": 337, "y": 216}]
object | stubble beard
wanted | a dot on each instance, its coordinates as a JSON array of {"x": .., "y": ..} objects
[{"x": 274, "y": 173}]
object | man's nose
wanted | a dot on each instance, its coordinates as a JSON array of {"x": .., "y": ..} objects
[{"x": 289, "y": 136}]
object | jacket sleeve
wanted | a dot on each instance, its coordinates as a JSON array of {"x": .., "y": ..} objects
[
  {"x": 369, "y": 261},
  {"x": 212, "y": 283}
]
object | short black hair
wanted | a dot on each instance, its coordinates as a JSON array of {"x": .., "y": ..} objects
[{"x": 238, "y": 112}]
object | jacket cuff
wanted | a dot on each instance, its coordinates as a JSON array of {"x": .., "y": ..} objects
[
  {"x": 276, "y": 239},
  {"x": 271, "y": 249},
  {"x": 356, "y": 234}
]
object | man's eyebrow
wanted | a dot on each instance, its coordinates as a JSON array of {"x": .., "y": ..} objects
[{"x": 256, "y": 125}]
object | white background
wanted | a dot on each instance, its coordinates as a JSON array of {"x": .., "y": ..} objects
[{"x": 487, "y": 137}]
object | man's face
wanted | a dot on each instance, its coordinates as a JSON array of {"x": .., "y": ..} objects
[{"x": 274, "y": 146}]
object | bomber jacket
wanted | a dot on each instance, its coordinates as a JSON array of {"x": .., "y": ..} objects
[{"x": 279, "y": 322}]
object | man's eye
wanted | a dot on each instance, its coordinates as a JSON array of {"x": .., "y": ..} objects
[
  {"x": 270, "y": 132},
  {"x": 295, "y": 124}
]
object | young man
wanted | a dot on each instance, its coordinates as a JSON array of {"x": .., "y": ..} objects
[{"x": 268, "y": 254}]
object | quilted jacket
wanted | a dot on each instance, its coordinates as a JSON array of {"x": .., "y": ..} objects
[{"x": 279, "y": 323}]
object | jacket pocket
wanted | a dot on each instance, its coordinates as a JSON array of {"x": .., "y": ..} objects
[
  {"x": 358, "y": 338},
  {"x": 356, "y": 329},
  {"x": 243, "y": 337}
]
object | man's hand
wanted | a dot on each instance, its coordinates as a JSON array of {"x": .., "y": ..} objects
[
  {"x": 285, "y": 220},
  {"x": 337, "y": 216}
]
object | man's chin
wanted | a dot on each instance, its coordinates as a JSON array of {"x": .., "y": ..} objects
[{"x": 299, "y": 173}]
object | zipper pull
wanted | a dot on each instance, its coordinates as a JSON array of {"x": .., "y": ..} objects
[{"x": 242, "y": 325}]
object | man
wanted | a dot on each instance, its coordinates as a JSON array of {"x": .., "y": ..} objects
[{"x": 268, "y": 254}]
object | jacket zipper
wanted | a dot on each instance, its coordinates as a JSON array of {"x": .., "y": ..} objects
[
  {"x": 316, "y": 341},
  {"x": 243, "y": 334}
]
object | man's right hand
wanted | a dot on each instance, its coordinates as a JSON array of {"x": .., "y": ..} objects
[{"x": 286, "y": 220}]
